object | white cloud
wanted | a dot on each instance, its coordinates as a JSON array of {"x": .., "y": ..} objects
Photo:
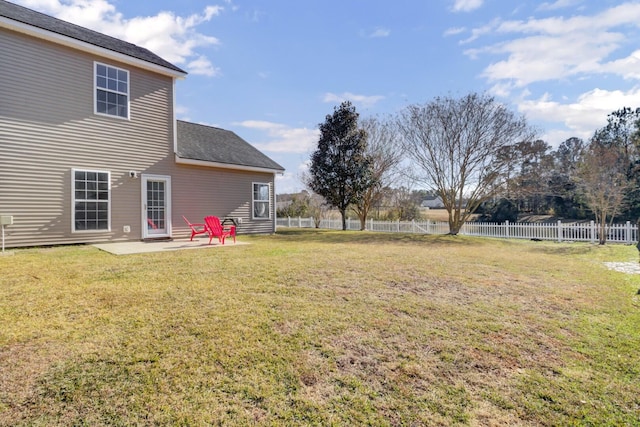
[
  {"x": 466, "y": 5},
  {"x": 628, "y": 67},
  {"x": 287, "y": 183},
  {"x": 174, "y": 38},
  {"x": 380, "y": 32},
  {"x": 559, "y": 4},
  {"x": 502, "y": 89},
  {"x": 543, "y": 58},
  {"x": 292, "y": 182},
  {"x": 555, "y": 137},
  {"x": 582, "y": 117},
  {"x": 559, "y": 48},
  {"x": 282, "y": 138},
  {"x": 478, "y": 32},
  {"x": 454, "y": 31},
  {"x": 182, "y": 113},
  {"x": 363, "y": 100},
  {"x": 202, "y": 66}
]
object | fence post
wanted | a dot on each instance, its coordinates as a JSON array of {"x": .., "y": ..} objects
[
  {"x": 506, "y": 228},
  {"x": 593, "y": 231},
  {"x": 559, "y": 231},
  {"x": 627, "y": 233},
  {"x": 289, "y": 221},
  {"x": 413, "y": 226},
  {"x": 398, "y": 226},
  {"x": 370, "y": 224}
]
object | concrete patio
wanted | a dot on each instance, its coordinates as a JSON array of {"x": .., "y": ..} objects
[{"x": 138, "y": 247}]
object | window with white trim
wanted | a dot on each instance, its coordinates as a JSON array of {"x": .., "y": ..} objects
[
  {"x": 91, "y": 197},
  {"x": 112, "y": 91},
  {"x": 261, "y": 201}
]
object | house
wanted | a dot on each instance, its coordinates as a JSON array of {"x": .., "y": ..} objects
[
  {"x": 432, "y": 201},
  {"x": 435, "y": 202},
  {"x": 91, "y": 151}
]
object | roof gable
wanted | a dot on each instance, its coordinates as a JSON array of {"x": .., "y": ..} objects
[
  {"x": 222, "y": 147},
  {"x": 53, "y": 25}
]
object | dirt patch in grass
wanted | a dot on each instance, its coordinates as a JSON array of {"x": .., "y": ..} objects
[{"x": 21, "y": 364}]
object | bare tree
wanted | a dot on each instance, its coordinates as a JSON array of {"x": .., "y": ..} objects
[
  {"x": 317, "y": 205},
  {"x": 456, "y": 144},
  {"x": 404, "y": 204},
  {"x": 384, "y": 150},
  {"x": 318, "y": 208},
  {"x": 623, "y": 131},
  {"x": 603, "y": 181}
]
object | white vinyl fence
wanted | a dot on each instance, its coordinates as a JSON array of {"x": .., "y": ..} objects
[{"x": 561, "y": 232}]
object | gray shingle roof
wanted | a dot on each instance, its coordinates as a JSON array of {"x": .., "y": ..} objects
[
  {"x": 210, "y": 144},
  {"x": 54, "y": 25}
]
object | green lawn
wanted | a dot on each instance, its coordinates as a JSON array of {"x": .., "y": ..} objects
[{"x": 322, "y": 328}]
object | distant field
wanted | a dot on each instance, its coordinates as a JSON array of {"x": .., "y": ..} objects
[
  {"x": 435, "y": 214},
  {"x": 431, "y": 214},
  {"x": 315, "y": 327}
]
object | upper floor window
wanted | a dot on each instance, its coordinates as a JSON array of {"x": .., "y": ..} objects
[
  {"x": 261, "y": 201},
  {"x": 112, "y": 91}
]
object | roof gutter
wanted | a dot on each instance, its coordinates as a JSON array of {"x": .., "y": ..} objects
[
  {"x": 208, "y": 164},
  {"x": 85, "y": 47}
]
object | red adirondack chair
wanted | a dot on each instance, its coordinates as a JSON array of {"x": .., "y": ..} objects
[
  {"x": 195, "y": 228},
  {"x": 216, "y": 229}
]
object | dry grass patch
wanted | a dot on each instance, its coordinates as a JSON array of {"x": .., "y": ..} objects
[{"x": 322, "y": 328}]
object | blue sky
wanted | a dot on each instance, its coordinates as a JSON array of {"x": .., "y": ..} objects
[{"x": 271, "y": 70}]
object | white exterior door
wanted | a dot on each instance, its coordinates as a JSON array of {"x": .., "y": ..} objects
[{"x": 156, "y": 206}]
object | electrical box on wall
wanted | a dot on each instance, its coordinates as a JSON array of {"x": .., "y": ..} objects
[
  {"x": 126, "y": 229},
  {"x": 5, "y": 220}
]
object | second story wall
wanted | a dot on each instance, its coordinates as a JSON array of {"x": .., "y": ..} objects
[{"x": 43, "y": 84}]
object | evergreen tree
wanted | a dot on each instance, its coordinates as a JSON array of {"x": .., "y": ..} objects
[{"x": 340, "y": 169}]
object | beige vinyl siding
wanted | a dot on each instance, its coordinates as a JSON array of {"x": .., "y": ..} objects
[
  {"x": 199, "y": 191},
  {"x": 48, "y": 127}
]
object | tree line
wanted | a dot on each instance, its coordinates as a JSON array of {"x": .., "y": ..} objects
[{"x": 477, "y": 156}]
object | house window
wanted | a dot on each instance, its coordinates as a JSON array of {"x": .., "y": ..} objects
[
  {"x": 91, "y": 195},
  {"x": 261, "y": 201},
  {"x": 112, "y": 91}
]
